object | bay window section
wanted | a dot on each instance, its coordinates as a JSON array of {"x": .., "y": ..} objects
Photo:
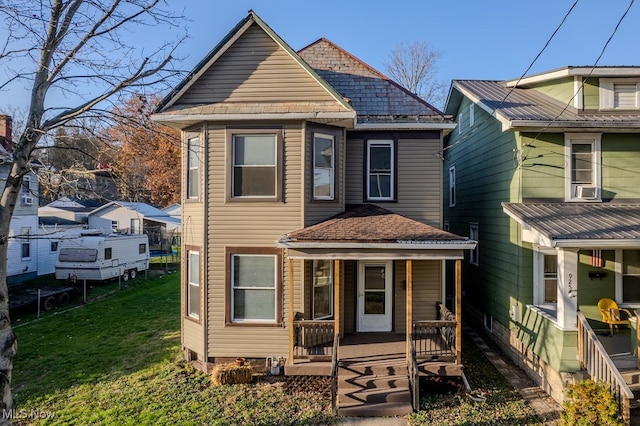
[
  {"x": 323, "y": 167},
  {"x": 254, "y": 288},
  {"x": 193, "y": 284},
  {"x": 193, "y": 168},
  {"x": 322, "y": 289},
  {"x": 255, "y": 168}
]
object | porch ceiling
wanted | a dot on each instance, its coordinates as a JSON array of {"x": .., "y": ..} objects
[
  {"x": 367, "y": 230},
  {"x": 578, "y": 225}
]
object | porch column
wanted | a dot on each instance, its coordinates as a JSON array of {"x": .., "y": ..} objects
[
  {"x": 458, "y": 285},
  {"x": 337, "y": 289},
  {"x": 291, "y": 312},
  {"x": 409, "y": 326},
  {"x": 567, "y": 288}
]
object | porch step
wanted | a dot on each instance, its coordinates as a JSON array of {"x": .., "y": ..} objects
[
  {"x": 632, "y": 379},
  {"x": 373, "y": 388}
]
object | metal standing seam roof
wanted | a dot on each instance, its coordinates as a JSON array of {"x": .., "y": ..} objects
[
  {"x": 519, "y": 104},
  {"x": 367, "y": 223},
  {"x": 579, "y": 221}
]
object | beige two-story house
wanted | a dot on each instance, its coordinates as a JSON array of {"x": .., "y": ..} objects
[{"x": 311, "y": 210}]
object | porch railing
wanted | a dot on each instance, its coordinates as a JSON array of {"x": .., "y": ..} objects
[
  {"x": 414, "y": 377},
  {"x": 314, "y": 339},
  {"x": 435, "y": 340},
  {"x": 593, "y": 358},
  {"x": 334, "y": 373}
]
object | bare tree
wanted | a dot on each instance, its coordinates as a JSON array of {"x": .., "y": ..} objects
[
  {"x": 414, "y": 66},
  {"x": 77, "y": 50}
]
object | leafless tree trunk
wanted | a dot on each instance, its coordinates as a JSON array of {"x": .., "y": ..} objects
[
  {"x": 77, "y": 49},
  {"x": 414, "y": 66}
]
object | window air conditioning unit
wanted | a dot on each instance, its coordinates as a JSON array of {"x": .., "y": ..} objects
[
  {"x": 26, "y": 200},
  {"x": 586, "y": 192}
]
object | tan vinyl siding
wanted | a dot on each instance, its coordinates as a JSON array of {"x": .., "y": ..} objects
[
  {"x": 249, "y": 224},
  {"x": 427, "y": 291},
  {"x": 319, "y": 210},
  {"x": 254, "y": 69}
]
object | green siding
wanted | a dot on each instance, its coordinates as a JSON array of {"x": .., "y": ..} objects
[
  {"x": 620, "y": 160},
  {"x": 543, "y": 165},
  {"x": 591, "y": 93},
  {"x": 560, "y": 89}
]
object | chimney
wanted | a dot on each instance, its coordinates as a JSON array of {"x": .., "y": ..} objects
[{"x": 5, "y": 132}]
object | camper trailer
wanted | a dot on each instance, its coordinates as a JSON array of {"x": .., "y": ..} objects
[{"x": 95, "y": 256}]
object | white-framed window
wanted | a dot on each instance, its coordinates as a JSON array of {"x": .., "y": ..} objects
[
  {"x": 459, "y": 120},
  {"x": 623, "y": 93},
  {"x": 472, "y": 115},
  {"x": 582, "y": 167},
  {"x": 254, "y": 165},
  {"x": 322, "y": 288},
  {"x": 254, "y": 288},
  {"x": 26, "y": 243},
  {"x": 545, "y": 276},
  {"x": 473, "y": 235},
  {"x": 380, "y": 170},
  {"x": 630, "y": 276},
  {"x": 193, "y": 168},
  {"x": 452, "y": 186},
  {"x": 193, "y": 284},
  {"x": 323, "y": 167},
  {"x": 114, "y": 225}
]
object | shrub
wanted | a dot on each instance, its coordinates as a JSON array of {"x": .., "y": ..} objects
[{"x": 590, "y": 403}]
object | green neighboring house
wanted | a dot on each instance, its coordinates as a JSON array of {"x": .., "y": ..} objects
[{"x": 544, "y": 172}]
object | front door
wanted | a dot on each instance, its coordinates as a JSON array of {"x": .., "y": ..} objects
[{"x": 374, "y": 296}]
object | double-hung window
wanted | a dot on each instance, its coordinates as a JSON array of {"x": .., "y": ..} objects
[
  {"x": 254, "y": 286},
  {"x": 255, "y": 164},
  {"x": 322, "y": 289},
  {"x": 193, "y": 284},
  {"x": 473, "y": 235},
  {"x": 193, "y": 168},
  {"x": 26, "y": 243},
  {"x": 452, "y": 186},
  {"x": 323, "y": 167},
  {"x": 582, "y": 175},
  {"x": 380, "y": 173},
  {"x": 545, "y": 265}
]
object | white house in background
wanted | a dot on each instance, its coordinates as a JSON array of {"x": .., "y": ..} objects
[
  {"x": 65, "y": 208},
  {"x": 136, "y": 218}
]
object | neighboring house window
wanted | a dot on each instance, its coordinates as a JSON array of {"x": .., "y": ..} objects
[
  {"x": 142, "y": 248},
  {"x": 619, "y": 93},
  {"x": 193, "y": 168},
  {"x": 26, "y": 185},
  {"x": 54, "y": 246},
  {"x": 255, "y": 165},
  {"x": 582, "y": 175},
  {"x": 473, "y": 235},
  {"x": 323, "y": 167},
  {"x": 26, "y": 245},
  {"x": 322, "y": 289},
  {"x": 631, "y": 276},
  {"x": 254, "y": 285},
  {"x": 114, "y": 225},
  {"x": 472, "y": 117},
  {"x": 380, "y": 170},
  {"x": 459, "y": 124},
  {"x": 135, "y": 226},
  {"x": 107, "y": 253},
  {"x": 193, "y": 284},
  {"x": 452, "y": 186},
  {"x": 447, "y": 226}
]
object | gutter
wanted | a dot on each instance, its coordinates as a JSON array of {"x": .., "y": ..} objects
[{"x": 463, "y": 245}]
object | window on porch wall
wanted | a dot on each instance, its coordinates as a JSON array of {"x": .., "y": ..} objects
[
  {"x": 631, "y": 276},
  {"x": 545, "y": 285},
  {"x": 322, "y": 289}
]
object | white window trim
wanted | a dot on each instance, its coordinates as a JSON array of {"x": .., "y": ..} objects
[
  {"x": 452, "y": 186},
  {"x": 595, "y": 139},
  {"x": 392, "y": 179},
  {"x": 191, "y": 167},
  {"x": 25, "y": 232},
  {"x": 538, "y": 275},
  {"x": 472, "y": 117},
  {"x": 332, "y": 179},
  {"x": 330, "y": 284},
  {"x": 276, "y": 166},
  {"x": 606, "y": 91},
  {"x": 474, "y": 255},
  {"x": 274, "y": 288},
  {"x": 191, "y": 284},
  {"x": 459, "y": 120}
]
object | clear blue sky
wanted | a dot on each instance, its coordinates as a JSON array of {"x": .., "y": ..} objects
[{"x": 479, "y": 39}]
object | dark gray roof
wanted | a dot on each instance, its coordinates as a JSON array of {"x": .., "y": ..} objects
[
  {"x": 374, "y": 96},
  {"x": 579, "y": 221},
  {"x": 529, "y": 105}
]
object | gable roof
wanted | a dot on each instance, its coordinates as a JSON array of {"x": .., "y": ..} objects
[
  {"x": 142, "y": 208},
  {"x": 578, "y": 224},
  {"x": 520, "y": 108},
  {"x": 170, "y": 109},
  {"x": 367, "y": 225},
  {"x": 376, "y": 98}
]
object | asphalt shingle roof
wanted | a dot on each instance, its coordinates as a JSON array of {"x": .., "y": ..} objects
[
  {"x": 367, "y": 223},
  {"x": 588, "y": 221}
]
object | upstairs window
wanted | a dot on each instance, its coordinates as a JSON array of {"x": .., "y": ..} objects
[
  {"x": 583, "y": 172},
  {"x": 472, "y": 115},
  {"x": 619, "y": 93},
  {"x": 380, "y": 170},
  {"x": 193, "y": 168},
  {"x": 255, "y": 165},
  {"x": 473, "y": 235},
  {"x": 452, "y": 186},
  {"x": 323, "y": 167}
]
